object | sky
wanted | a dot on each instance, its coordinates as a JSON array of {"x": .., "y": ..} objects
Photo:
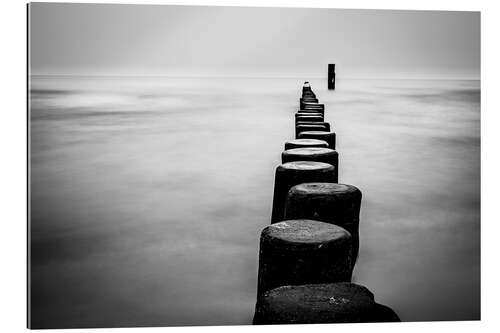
[{"x": 164, "y": 40}]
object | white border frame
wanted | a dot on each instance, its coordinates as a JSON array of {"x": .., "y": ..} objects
[{"x": 13, "y": 167}]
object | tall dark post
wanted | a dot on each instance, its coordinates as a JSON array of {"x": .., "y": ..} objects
[
  {"x": 296, "y": 252},
  {"x": 327, "y": 202},
  {"x": 331, "y": 76},
  {"x": 293, "y": 173},
  {"x": 320, "y": 135},
  {"x": 316, "y": 154},
  {"x": 305, "y": 143},
  {"x": 311, "y": 127}
]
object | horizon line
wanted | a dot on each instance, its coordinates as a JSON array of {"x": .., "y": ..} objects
[{"x": 410, "y": 77}]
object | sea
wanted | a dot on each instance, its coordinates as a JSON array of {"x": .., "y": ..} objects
[{"x": 148, "y": 194}]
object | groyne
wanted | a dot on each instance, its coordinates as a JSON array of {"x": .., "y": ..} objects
[{"x": 308, "y": 252}]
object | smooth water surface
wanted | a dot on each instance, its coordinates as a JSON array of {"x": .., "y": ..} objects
[{"x": 148, "y": 194}]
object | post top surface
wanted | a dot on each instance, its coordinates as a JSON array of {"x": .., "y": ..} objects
[
  {"x": 307, "y": 142},
  {"x": 311, "y": 125},
  {"x": 312, "y": 103},
  {"x": 310, "y": 115},
  {"x": 331, "y": 293},
  {"x": 323, "y": 188},
  {"x": 316, "y": 133},
  {"x": 306, "y": 232},
  {"x": 309, "y": 151},
  {"x": 300, "y": 116},
  {"x": 305, "y": 165}
]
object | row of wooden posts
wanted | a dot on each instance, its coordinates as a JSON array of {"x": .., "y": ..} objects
[{"x": 307, "y": 254}]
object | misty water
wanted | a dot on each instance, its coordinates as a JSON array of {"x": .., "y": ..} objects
[{"x": 148, "y": 195}]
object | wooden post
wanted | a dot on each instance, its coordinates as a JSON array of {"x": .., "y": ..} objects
[
  {"x": 294, "y": 173},
  {"x": 320, "y": 111},
  {"x": 328, "y": 202},
  {"x": 316, "y": 154},
  {"x": 310, "y": 114},
  {"x": 309, "y": 119},
  {"x": 320, "y": 135},
  {"x": 331, "y": 76},
  {"x": 314, "y": 127},
  {"x": 305, "y": 143},
  {"x": 341, "y": 302},
  {"x": 306, "y": 89},
  {"x": 313, "y": 106},
  {"x": 307, "y": 100},
  {"x": 295, "y": 252},
  {"x": 312, "y": 122}
]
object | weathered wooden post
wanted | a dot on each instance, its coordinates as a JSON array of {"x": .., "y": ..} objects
[
  {"x": 331, "y": 76},
  {"x": 307, "y": 100},
  {"x": 309, "y": 94},
  {"x": 313, "y": 106},
  {"x": 302, "y": 118},
  {"x": 308, "y": 122},
  {"x": 309, "y": 114},
  {"x": 306, "y": 89},
  {"x": 315, "y": 127},
  {"x": 295, "y": 252},
  {"x": 321, "y": 112},
  {"x": 320, "y": 135},
  {"x": 341, "y": 302},
  {"x": 294, "y": 173},
  {"x": 305, "y": 143},
  {"x": 328, "y": 202},
  {"x": 316, "y": 154}
]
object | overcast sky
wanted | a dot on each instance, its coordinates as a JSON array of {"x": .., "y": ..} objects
[{"x": 98, "y": 39}]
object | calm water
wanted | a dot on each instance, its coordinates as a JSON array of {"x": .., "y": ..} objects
[{"x": 148, "y": 194}]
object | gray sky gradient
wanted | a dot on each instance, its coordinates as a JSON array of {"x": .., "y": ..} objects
[{"x": 99, "y": 39}]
